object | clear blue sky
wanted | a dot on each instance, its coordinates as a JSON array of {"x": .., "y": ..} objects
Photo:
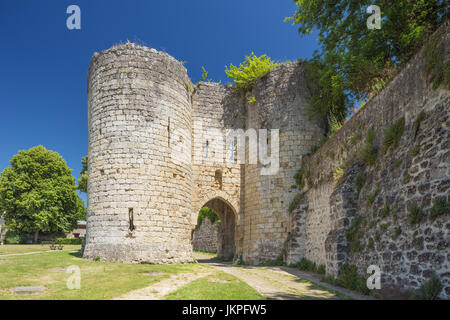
[{"x": 43, "y": 94}]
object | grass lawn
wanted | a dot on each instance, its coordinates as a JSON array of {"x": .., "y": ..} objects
[
  {"x": 103, "y": 280},
  {"x": 99, "y": 280},
  {"x": 26, "y": 248},
  {"x": 219, "y": 286}
]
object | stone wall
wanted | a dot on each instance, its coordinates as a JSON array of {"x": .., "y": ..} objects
[
  {"x": 206, "y": 237},
  {"x": 415, "y": 172},
  {"x": 281, "y": 100},
  {"x": 140, "y": 172}
]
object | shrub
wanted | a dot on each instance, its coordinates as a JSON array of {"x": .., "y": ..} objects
[
  {"x": 415, "y": 214},
  {"x": 415, "y": 151},
  {"x": 295, "y": 202},
  {"x": 275, "y": 262},
  {"x": 418, "y": 121},
  {"x": 349, "y": 278},
  {"x": 306, "y": 265},
  {"x": 322, "y": 269},
  {"x": 372, "y": 196},
  {"x": 69, "y": 240},
  {"x": 385, "y": 212},
  {"x": 392, "y": 134},
  {"x": 338, "y": 172},
  {"x": 368, "y": 151},
  {"x": 430, "y": 290},
  {"x": 250, "y": 70},
  {"x": 15, "y": 238},
  {"x": 334, "y": 124},
  {"x": 440, "y": 207},
  {"x": 360, "y": 182},
  {"x": 299, "y": 178},
  {"x": 251, "y": 100},
  {"x": 397, "y": 232}
]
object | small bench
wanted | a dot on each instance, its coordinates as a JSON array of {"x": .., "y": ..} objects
[{"x": 54, "y": 246}]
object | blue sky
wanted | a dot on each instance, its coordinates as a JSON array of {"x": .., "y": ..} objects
[{"x": 44, "y": 65}]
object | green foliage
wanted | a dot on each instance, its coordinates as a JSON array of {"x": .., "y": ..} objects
[
  {"x": 371, "y": 197},
  {"x": 418, "y": 121},
  {"x": 334, "y": 125},
  {"x": 38, "y": 193},
  {"x": 321, "y": 269},
  {"x": 328, "y": 98},
  {"x": 430, "y": 290},
  {"x": 338, "y": 173},
  {"x": 69, "y": 241},
  {"x": 415, "y": 214},
  {"x": 415, "y": 151},
  {"x": 252, "y": 69},
  {"x": 435, "y": 64},
  {"x": 204, "y": 213},
  {"x": 82, "y": 182},
  {"x": 356, "y": 62},
  {"x": 354, "y": 235},
  {"x": 299, "y": 178},
  {"x": 204, "y": 74},
  {"x": 368, "y": 151},
  {"x": 295, "y": 202},
  {"x": 360, "y": 182},
  {"x": 354, "y": 139},
  {"x": 306, "y": 265},
  {"x": 385, "y": 212},
  {"x": 275, "y": 262},
  {"x": 15, "y": 238},
  {"x": 189, "y": 87},
  {"x": 440, "y": 207},
  {"x": 370, "y": 244},
  {"x": 251, "y": 100},
  {"x": 392, "y": 134},
  {"x": 349, "y": 278},
  {"x": 397, "y": 232}
]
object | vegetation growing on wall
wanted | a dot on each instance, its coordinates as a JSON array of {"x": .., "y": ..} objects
[
  {"x": 355, "y": 62},
  {"x": 204, "y": 213},
  {"x": 250, "y": 70},
  {"x": 392, "y": 134},
  {"x": 368, "y": 151},
  {"x": 435, "y": 66}
]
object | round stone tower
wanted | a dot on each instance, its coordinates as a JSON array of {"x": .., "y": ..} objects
[{"x": 140, "y": 170}]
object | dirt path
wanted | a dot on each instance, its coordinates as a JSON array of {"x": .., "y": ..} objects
[
  {"x": 283, "y": 283},
  {"x": 158, "y": 290}
]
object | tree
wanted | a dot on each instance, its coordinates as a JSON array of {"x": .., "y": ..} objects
[
  {"x": 38, "y": 193},
  {"x": 356, "y": 61},
  {"x": 82, "y": 182}
]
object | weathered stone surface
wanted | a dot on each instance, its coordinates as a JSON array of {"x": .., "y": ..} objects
[{"x": 406, "y": 253}]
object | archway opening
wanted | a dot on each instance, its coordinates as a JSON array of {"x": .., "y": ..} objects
[{"x": 215, "y": 230}]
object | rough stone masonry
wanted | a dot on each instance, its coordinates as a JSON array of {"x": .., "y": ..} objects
[{"x": 153, "y": 134}]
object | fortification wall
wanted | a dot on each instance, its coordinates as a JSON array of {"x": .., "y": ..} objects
[
  {"x": 375, "y": 200},
  {"x": 206, "y": 237},
  {"x": 140, "y": 184},
  {"x": 281, "y": 99}
]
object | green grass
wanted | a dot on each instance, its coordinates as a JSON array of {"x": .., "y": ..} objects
[
  {"x": 99, "y": 280},
  {"x": 26, "y": 248},
  {"x": 393, "y": 134},
  {"x": 211, "y": 254},
  {"x": 220, "y": 286}
]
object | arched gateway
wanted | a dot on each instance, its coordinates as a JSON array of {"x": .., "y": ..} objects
[{"x": 157, "y": 155}]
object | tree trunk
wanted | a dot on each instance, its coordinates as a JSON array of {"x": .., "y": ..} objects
[{"x": 36, "y": 234}]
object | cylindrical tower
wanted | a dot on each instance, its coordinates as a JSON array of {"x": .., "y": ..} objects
[{"x": 140, "y": 171}]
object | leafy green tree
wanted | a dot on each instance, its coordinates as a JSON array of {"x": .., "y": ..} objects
[
  {"x": 355, "y": 61},
  {"x": 82, "y": 182},
  {"x": 38, "y": 193}
]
